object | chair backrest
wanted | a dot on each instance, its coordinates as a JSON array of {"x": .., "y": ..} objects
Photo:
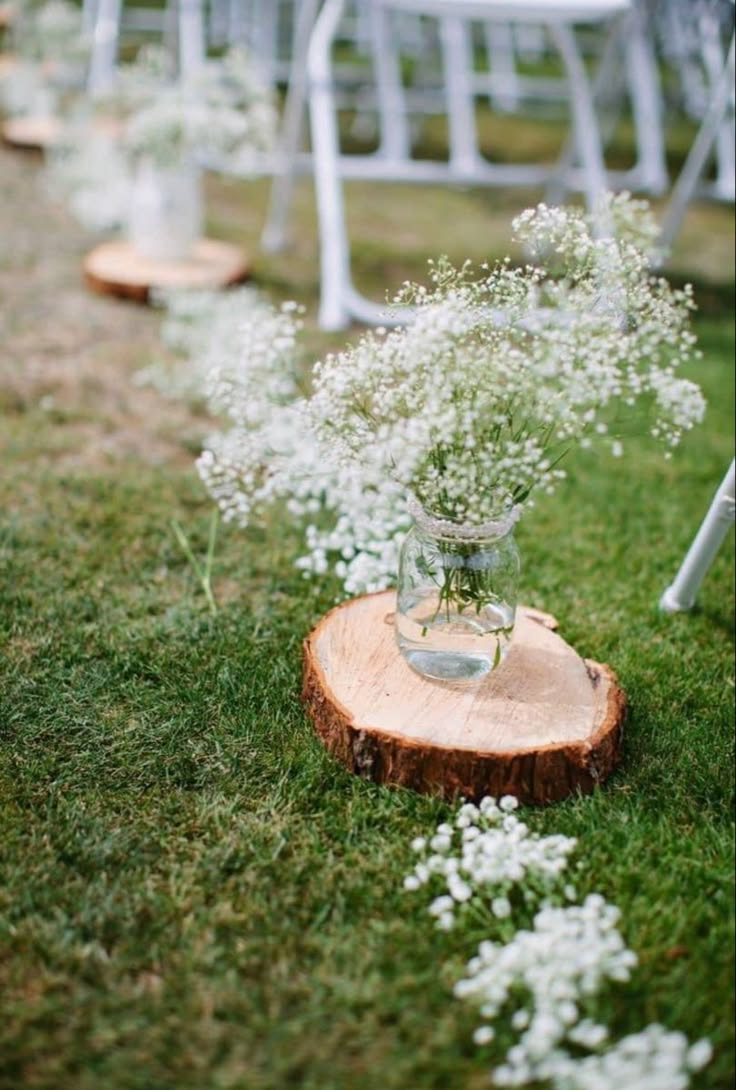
[{"x": 179, "y": 24}]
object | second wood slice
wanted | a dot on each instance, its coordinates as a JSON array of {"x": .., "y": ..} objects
[
  {"x": 31, "y": 133},
  {"x": 542, "y": 726},
  {"x": 116, "y": 268},
  {"x": 8, "y": 64}
]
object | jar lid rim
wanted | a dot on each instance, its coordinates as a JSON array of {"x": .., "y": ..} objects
[{"x": 438, "y": 526}]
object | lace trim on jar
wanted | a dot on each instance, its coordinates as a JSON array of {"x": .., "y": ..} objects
[{"x": 462, "y": 531}]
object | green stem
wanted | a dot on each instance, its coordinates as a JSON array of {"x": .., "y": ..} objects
[{"x": 203, "y": 574}]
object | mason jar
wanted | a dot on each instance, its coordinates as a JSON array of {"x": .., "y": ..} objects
[
  {"x": 457, "y": 595},
  {"x": 165, "y": 220}
]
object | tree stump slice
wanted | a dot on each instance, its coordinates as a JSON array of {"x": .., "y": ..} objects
[
  {"x": 31, "y": 133},
  {"x": 544, "y": 725},
  {"x": 116, "y": 268}
]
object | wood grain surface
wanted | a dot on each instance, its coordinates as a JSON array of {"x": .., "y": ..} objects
[
  {"x": 31, "y": 133},
  {"x": 116, "y": 268}
]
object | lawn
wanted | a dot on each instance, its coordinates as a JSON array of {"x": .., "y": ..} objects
[{"x": 193, "y": 895}]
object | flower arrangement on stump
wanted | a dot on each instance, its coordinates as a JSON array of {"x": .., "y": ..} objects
[
  {"x": 464, "y": 413},
  {"x": 51, "y": 52},
  {"x": 142, "y": 169}
]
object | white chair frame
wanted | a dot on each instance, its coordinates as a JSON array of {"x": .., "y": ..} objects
[
  {"x": 689, "y": 183},
  {"x": 682, "y": 592},
  {"x": 182, "y": 23},
  {"x": 340, "y": 301}
]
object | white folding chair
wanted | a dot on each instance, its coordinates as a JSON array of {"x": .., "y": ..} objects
[
  {"x": 339, "y": 299},
  {"x": 682, "y": 592}
]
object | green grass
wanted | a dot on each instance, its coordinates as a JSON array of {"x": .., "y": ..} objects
[{"x": 193, "y": 895}]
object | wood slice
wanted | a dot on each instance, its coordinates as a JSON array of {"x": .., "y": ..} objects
[
  {"x": 116, "y": 268},
  {"x": 545, "y": 724},
  {"x": 31, "y": 133}
]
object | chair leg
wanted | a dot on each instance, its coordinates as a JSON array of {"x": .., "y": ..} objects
[
  {"x": 393, "y": 126},
  {"x": 458, "y": 68},
  {"x": 265, "y": 38},
  {"x": 237, "y": 23},
  {"x": 608, "y": 89},
  {"x": 646, "y": 103},
  {"x": 334, "y": 248},
  {"x": 192, "y": 48},
  {"x": 273, "y": 239},
  {"x": 170, "y": 29},
  {"x": 586, "y": 134},
  {"x": 501, "y": 51},
  {"x": 105, "y": 39},
  {"x": 89, "y": 15},
  {"x": 713, "y": 59},
  {"x": 692, "y": 172},
  {"x": 681, "y": 594}
]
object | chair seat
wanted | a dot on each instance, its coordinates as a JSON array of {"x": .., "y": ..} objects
[{"x": 536, "y": 11}]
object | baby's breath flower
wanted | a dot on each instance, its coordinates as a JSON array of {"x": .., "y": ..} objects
[
  {"x": 546, "y": 976},
  {"x": 486, "y": 855}
]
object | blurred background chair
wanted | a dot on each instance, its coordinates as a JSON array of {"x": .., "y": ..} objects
[
  {"x": 180, "y": 25},
  {"x": 582, "y": 168},
  {"x": 693, "y": 39},
  {"x": 374, "y": 70}
]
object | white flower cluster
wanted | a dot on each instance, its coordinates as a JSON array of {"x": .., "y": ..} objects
[
  {"x": 271, "y": 453},
  {"x": 654, "y": 1059},
  {"x": 496, "y": 855},
  {"x": 249, "y": 362},
  {"x": 368, "y": 521},
  {"x": 25, "y": 91},
  {"x": 202, "y": 330},
  {"x": 472, "y": 405},
  {"x": 564, "y": 959},
  {"x": 241, "y": 355},
  {"x": 50, "y": 50},
  {"x": 225, "y": 111},
  {"x": 137, "y": 83},
  {"x": 544, "y": 978},
  {"x": 50, "y": 33},
  {"x": 89, "y": 170}
]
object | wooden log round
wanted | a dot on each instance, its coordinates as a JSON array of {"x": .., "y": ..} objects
[
  {"x": 31, "y": 133},
  {"x": 116, "y": 268},
  {"x": 8, "y": 64},
  {"x": 542, "y": 726}
]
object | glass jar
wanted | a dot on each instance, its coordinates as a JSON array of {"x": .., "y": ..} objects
[
  {"x": 165, "y": 219},
  {"x": 457, "y": 595}
]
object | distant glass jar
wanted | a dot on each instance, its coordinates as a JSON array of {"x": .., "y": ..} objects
[
  {"x": 457, "y": 595},
  {"x": 165, "y": 219}
]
